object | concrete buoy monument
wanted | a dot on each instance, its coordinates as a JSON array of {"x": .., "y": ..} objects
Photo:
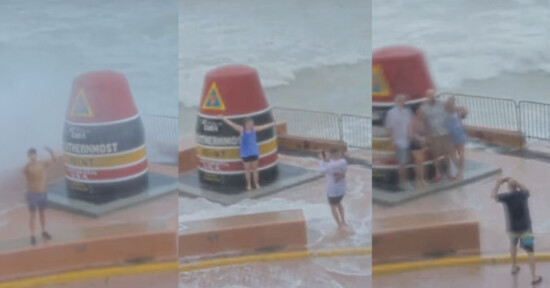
[
  {"x": 395, "y": 70},
  {"x": 234, "y": 91},
  {"x": 103, "y": 140}
]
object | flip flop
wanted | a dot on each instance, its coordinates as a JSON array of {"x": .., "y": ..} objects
[
  {"x": 539, "y": 279},
  {"x": 515, "y": 271}
]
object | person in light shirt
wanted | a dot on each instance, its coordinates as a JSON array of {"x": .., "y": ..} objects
[
  {"x": 335, "y": 169},
  {"x": 397, "y": 122}
]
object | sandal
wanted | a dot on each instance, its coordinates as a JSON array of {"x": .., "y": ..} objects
[
  {"x": 515, "y": 270},
  {"x": 535, "y": 282}
]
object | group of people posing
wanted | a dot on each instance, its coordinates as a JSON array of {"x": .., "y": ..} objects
[{"x": 434, "y": 127}]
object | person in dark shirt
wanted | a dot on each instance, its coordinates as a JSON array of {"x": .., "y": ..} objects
[{"x": 518, "y": 221}]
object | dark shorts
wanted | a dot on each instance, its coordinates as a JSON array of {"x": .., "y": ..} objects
[
  {"x": 37, "y": 201},
  {"x": 415, "y": 145},
  {"x": 250, "y": 158},
  {"x": 525, "y": 240},
  {"x": 335, "y": 200}
]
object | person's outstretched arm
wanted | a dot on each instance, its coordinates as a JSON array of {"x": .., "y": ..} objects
[
  {"x": 522, "y": 187},
  {"x": 52, "y": 155},
  {"x": 264, "y": 127},
  {"x": 323, "y": 163},
  {"x": 498, "y": 183},
  {"x": 231, "y": 124}
]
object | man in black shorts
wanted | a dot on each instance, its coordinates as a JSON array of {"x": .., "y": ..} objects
[{"x": 518, "y": 222}]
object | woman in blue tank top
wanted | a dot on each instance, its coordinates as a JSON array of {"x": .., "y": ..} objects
[
  {"x": 458, "y": 135},
  {"x": 250, "y": 152}
]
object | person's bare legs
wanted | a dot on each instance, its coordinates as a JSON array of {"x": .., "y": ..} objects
[
  {"x": 513, "y": 255},
  {"x": 42, "y": 216},
  {"x": 532, "y": 265},
  {"x": 32, "y": 222},
  {"x": 340, "y": 209},
  {"x": 334, "y": 211},
  {"x": 453, "y": 155},
  {"x": 437, "y": 165},
  {"x": 461, "y": 160},
  {"x": 418, "y": 156},
  {"x": 402, "y": 170},
  {"x": 256, "y": 174},
  {"x": 247, "y": 172}
]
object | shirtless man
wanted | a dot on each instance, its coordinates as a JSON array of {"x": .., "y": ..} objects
[{"x": 37, "y": 199}]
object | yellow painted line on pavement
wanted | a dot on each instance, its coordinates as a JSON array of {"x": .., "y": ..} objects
[
  {"x": 272, "y": 257},
  {"x": 101, "y": 273},
  {"x": 394, "y": 268},
  {"x": 84, "y": 275}
]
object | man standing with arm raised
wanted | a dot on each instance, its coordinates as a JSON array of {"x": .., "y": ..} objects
[
  {"x": 518, "y": 222},
  {"x": 335, "y": 171},
  {"x": 37, "y": 199}
]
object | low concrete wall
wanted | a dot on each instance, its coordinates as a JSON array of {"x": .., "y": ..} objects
[
  {"x": 89, "y": 252},
  {"x": 244, "y": 233},
  {"x": 421, "y": 236},
  {"x": 506, "y": 138}
]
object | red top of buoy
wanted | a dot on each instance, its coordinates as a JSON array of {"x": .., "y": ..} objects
[
  {"x": 399, "y": 70},
  {"x": 100, "y": 96},
  {"x": 232, "y": 90}
]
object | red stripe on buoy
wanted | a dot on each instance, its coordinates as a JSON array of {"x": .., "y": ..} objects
[
  {"x": 399, "y": 70},
  {"x": 232, "y": 90},
  {"x": 100, "y": 96},
  {"x": 234, "y": 166},
  {"x": 110, "y": 174}
]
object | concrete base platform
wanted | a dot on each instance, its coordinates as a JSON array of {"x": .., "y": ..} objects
[
  {"x": 473, "y": 171},
  {"x": 289, "y": 176},
  {"x": 159, "y": 185}
]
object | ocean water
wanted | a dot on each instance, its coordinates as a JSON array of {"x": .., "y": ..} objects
[
  {"x": 318, "y": 44},
  {"x": 496, "y": 48},
  {"x": 44, "y": 45}
]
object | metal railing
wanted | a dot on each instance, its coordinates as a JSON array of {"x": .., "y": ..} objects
[
  {"x": 162, "y": 131},
  {"x": 532, "y": 119},
  {"x": 488, "y": 112},
  {"x": 161, "y": 136},
  {"x": 354, "y": 130}
]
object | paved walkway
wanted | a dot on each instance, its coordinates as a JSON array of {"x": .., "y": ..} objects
[
  {"x": 534, "y": 173},
  {"x": 490, "y": 276},
  {"x": 14, "y": 217},
  {"x": 160, "y": 280},
  {"x": 338, "y": 272},
  {"x": 345, "y": 272}
]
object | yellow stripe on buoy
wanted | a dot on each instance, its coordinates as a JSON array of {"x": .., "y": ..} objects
[
  {"x": 234, "y": 153},
  {"x": 111, "y": 161},
  {"x": 382, "y": 144}
]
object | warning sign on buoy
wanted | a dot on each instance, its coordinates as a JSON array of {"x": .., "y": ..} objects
[
  {"x": 81, "y": 107},
  {"x": 380, "y": 87},
  {"x": 213, "y": 100}
]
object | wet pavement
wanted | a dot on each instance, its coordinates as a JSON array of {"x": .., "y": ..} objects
[
  {"x": 334, "y": 272},
  {"x": 158, "y": 280},
  {"x": 476, "y": 196},
  {"x": 343, "y": 272},
  {"x": 488, "y": 276},
  {"x": 14, "y": 217}
]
